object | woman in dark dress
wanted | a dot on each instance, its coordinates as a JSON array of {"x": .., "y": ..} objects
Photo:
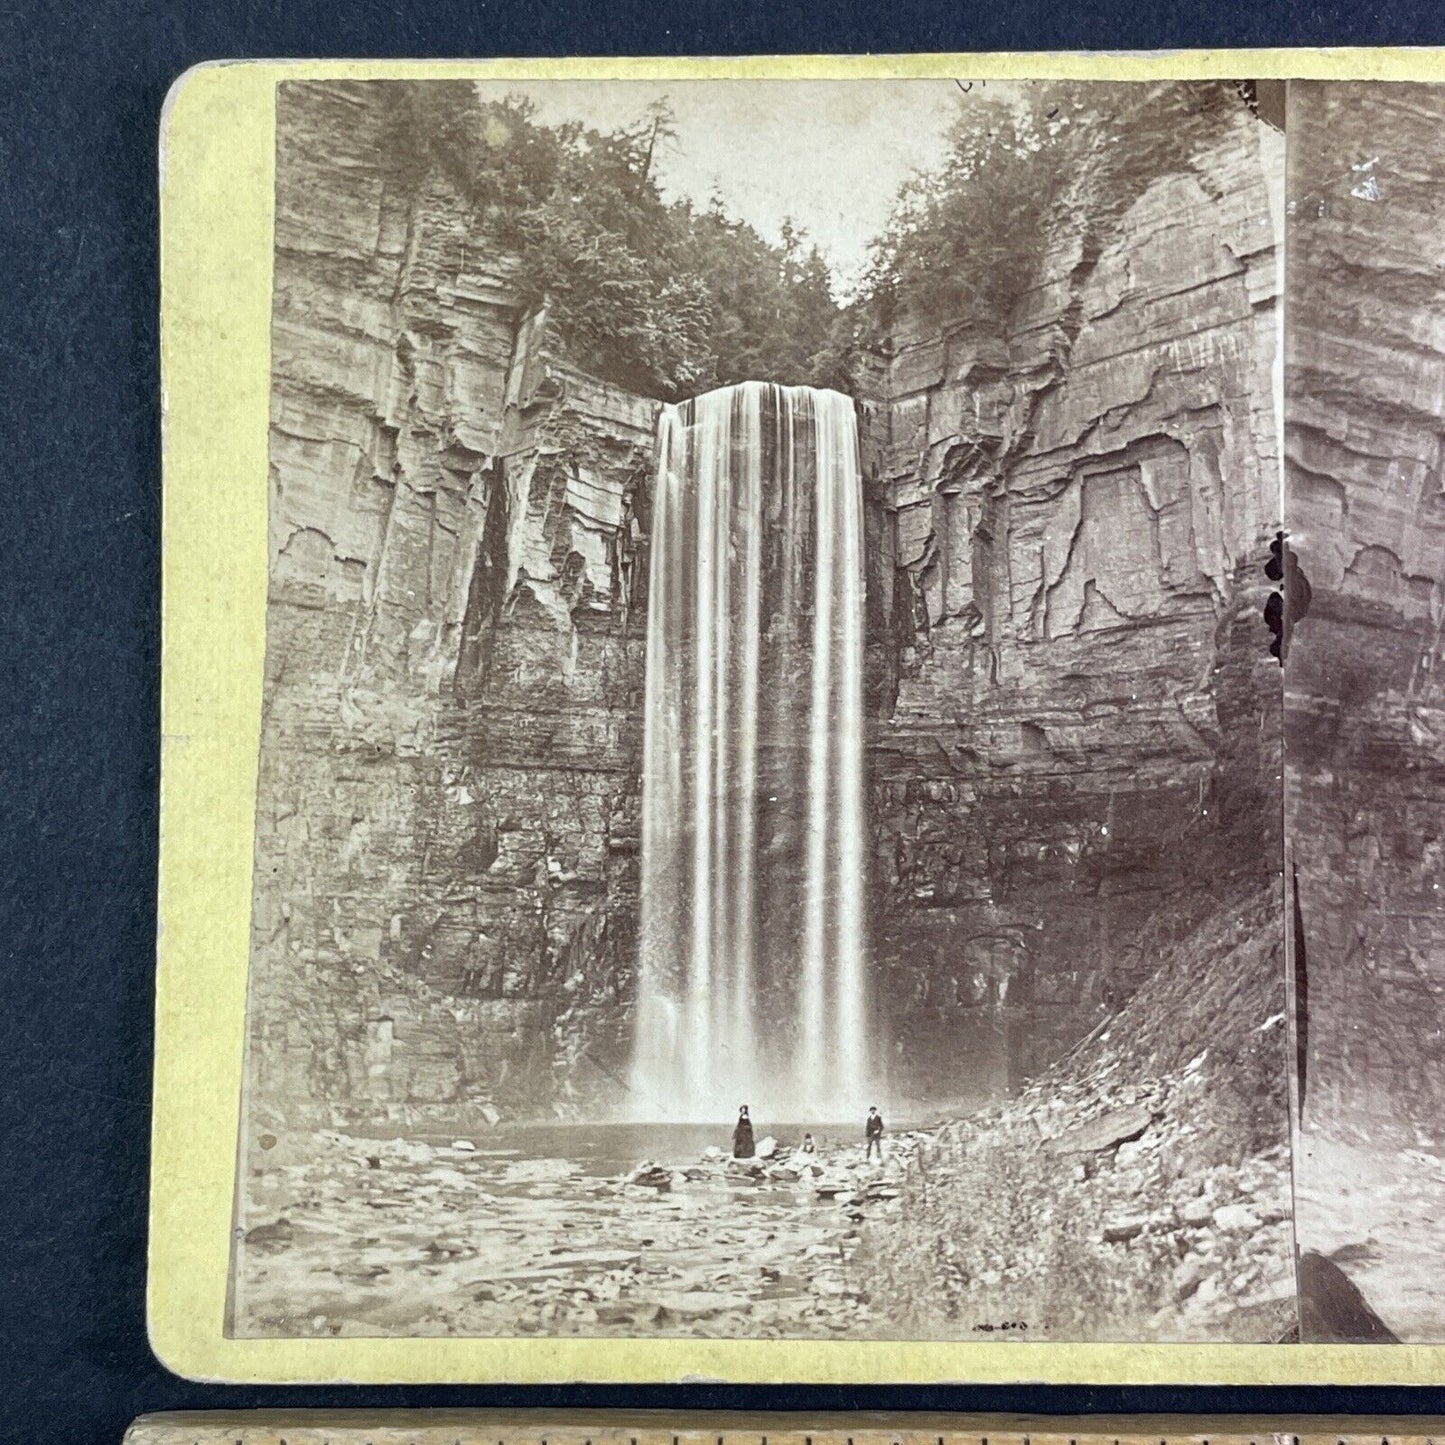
[{"x": 743, "y": 1135}]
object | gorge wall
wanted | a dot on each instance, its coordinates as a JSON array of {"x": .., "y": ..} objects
[
  {"x": 446, "y": 852},
  {"x": 1076, "y": 756},
  {"x": 1366, "y": 712},
  {"x": 1073, "y": 716}
]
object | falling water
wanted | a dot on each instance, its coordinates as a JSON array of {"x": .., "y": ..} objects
[{"x": 752, "y": 985}]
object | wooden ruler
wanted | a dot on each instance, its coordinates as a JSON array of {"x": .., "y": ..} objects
[{"x": 480, "y": 1427}]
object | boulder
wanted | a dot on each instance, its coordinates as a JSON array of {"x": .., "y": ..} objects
[
  {"x": 1196, "y": 1212},
  {"x": 449, "y": 1248},
  {"x": 767, "y": 1147},
  {"x": 271, "y": 1236},
  {"x": 648, "y": 1175},
  {"x": 878, "y": 1190},
  {"x": 1188, "y": 1276},
  {"x": 1106, "y": 1132},
  {"x": 1117, "y": 1231},
  {"x": 634, "y": 1312},
  {"x": 1333, "y": 1308},
  {"x": 1132, "y": 1152},
  {"x": 1235, "y": 1218},
  {"x": 699, "y": 1304}
]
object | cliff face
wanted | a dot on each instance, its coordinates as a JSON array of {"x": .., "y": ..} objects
[
  {"x": 1366, "y": 712},
  {"x": 1075, "y": 760},
  {"x": 446, "y": 834},
  {"x": 1071, "y": 752}
]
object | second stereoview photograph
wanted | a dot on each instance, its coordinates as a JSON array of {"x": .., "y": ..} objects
[{"x": 849, "y": 743}]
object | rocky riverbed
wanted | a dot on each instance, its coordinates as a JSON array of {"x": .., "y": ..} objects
[
  {"x": 1081, "y": 1213},
  {"x": 1139, "y": 1189},
  {"x": 354, "y": 1236},
  {"x": 1096, "y": 1209}
]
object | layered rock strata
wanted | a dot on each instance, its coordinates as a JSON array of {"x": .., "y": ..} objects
[
  {"x": 446, "y": 850},
  {"x": 1366, "y": 710},
  {"x": 1075, "y": 757}
]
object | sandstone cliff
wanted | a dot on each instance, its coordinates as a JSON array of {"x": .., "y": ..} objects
[
  {"x": 446, "y": 836},
  {"x": 1075, "y": 760}
]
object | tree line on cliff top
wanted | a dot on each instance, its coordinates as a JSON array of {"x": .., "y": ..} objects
[{"x": 671, "y": 299}]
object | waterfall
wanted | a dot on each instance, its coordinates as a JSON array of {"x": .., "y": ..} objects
[{"x": 752, "y": 986}]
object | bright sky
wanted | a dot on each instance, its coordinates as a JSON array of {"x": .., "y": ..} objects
[{"x": 829, "y": 154}]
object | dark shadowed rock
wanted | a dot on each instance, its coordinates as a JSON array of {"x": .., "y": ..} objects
[
  {"x": 275, "y": 1235},
  {"x": 1332, "y": 1308}
]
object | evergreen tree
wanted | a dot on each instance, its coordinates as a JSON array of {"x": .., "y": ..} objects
[
  {"x": 655, "y": 296},
  {"x": 1053, "y": 167}
]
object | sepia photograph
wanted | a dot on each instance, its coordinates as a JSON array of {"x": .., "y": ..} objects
[
  {"x": 768, "y": 807},
  {"x": 1364, "y": 608}
]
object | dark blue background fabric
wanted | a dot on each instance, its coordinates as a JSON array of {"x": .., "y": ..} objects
[{"x": 79, "y": 598}]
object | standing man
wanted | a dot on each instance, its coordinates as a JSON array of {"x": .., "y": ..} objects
[{"x": 873, "y": 1131}]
